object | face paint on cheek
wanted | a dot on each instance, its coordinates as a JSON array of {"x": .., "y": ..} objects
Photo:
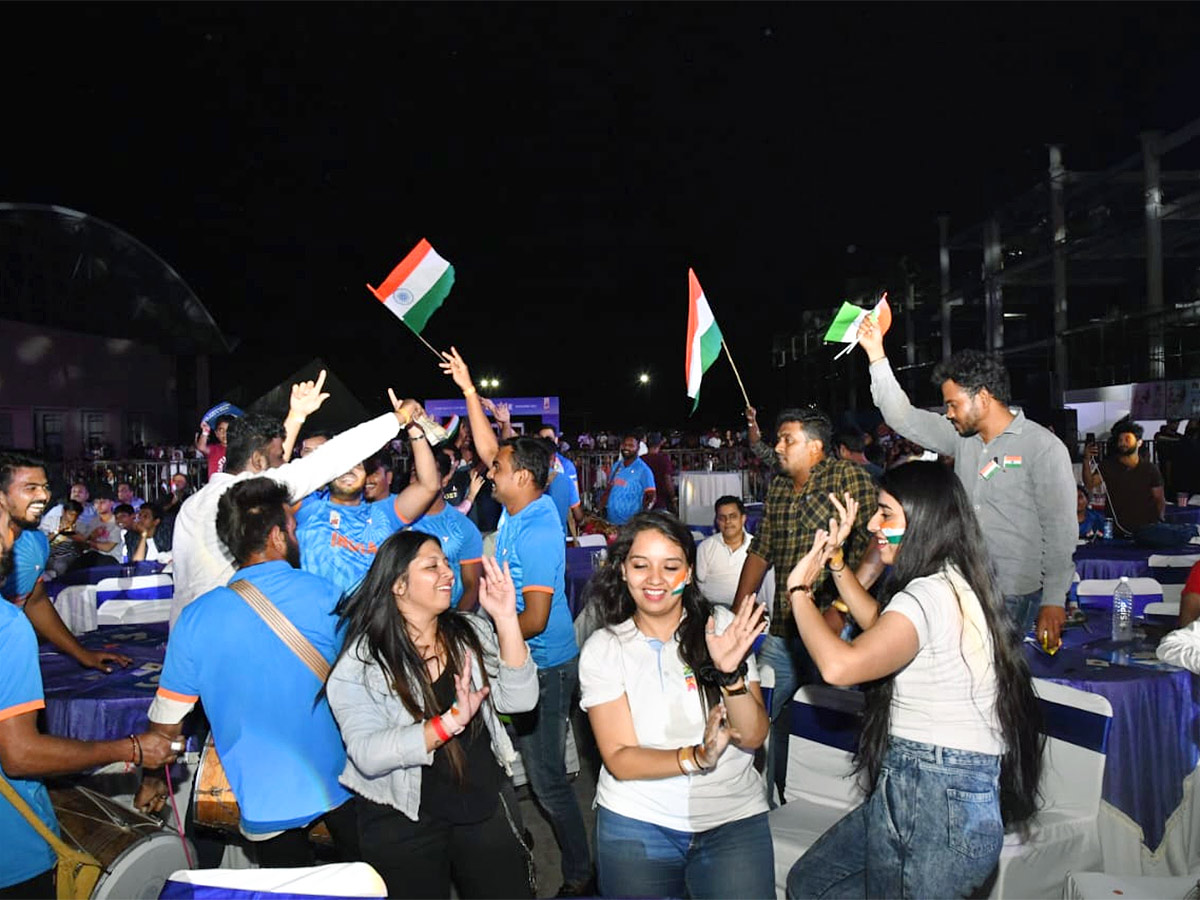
[
  {"x": 893, "y": 535},
  {"x": 678, "y": 587}
]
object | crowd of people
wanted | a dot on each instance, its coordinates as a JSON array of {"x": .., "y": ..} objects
[{"x": 371, "y": 656}]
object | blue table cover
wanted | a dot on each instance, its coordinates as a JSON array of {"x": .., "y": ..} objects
[
  {"x": 1112, "y": 559},
  {"x": 1154, "y": 742}
]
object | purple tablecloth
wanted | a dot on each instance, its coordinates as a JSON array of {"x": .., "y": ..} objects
[
  {"x": 1182, "y": 515},
  {"x": 1112, "y": 559},
  {"x": 1154, "y": 743},
  {"x": 92, "y": 706},
  {"x": 580, "y": 563},
  {"x": 96, "y": 574}
]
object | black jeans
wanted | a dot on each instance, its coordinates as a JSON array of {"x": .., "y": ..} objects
[
  {"x": 39, "y": 887},
  {"x": 420, "y": 859},
  {"x": 293, "y": 848}
]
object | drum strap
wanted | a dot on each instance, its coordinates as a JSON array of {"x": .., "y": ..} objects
[
  {"x": 78, "y": 871},
  {"x": 283, "y": 628}
]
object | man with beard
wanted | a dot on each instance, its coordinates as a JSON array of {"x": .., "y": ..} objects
[
  {"x": 1016, "y": 473},
  {"x": 1135, "y": 490},
  {"x": 339, "y": 532},
  {"x": 630, "y": 485},
  {"x": 271, "y": 723},
  {"x": 27, "y": 491}
]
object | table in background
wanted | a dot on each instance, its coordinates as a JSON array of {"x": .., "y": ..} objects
[
  {"x": 93, "y": 706},
  {"x": 1181, "y": 515},
  {"x": 581, "y": 562},
  {"x": 1112, "y": 559},
  {"x": 699, "y": 491},
  {"x": 1149, "y": 819},
  {"x": 96, "y": 574}
]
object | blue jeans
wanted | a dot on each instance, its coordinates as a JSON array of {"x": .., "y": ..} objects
[
  {"x": 542, "y": 742},
  {"x": 1164, "y": 535},
  {"x": 930, "y": 828},
  {"x": 637, "y": 859},
  {"x": 1023, "y": 611},
  {"x": 789, "y": 659}
]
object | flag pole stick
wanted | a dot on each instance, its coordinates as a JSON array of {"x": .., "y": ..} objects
[
  {"x": 432, "y": 349},
  {"x": 733, "y": 365}
]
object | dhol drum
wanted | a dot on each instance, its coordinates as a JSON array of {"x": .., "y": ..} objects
[
  {"x": 214, "y": 802},
  {"x": 138, "y": 854}
]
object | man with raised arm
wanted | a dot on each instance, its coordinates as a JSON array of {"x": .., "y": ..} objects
[
  {"x": 1016, "y": 473},
  {"x": 530, "y": 539},
  {"x": 259, "y": 445}
]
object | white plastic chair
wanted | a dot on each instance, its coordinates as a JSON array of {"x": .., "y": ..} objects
[
  {"x": 1173, "y": 560},
  {"x": 354, "y": 879},
  {"x": 591, "y": 540},
  {"x": 821, "y": 785},
  {"x": 1162, "y": 609},
  {"x": 1096, "y": 588},
  {"x": 1194, "y": 500},
  {"x": 1102, "y": 886},
  {"x": 1064, "y": 837},
  {"x": 136, "y": 600}
]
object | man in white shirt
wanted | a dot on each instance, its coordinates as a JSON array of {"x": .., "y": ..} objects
[
  {"x": 259, "y": 446},
  {"x": 720, "y": 556}
]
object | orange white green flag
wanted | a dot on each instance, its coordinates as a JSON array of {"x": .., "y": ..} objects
[
  {"x": 703, "y": 338},
  {"x": 844, "y": 329},
  {"x": 415, "y": 289}
]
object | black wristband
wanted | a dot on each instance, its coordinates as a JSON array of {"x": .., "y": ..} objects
[{"x": 710, "y": 674}]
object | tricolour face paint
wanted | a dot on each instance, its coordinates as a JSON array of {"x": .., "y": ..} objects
[
  {"x": 893, "y": 535},
  {"x": 677, "y": 588}
]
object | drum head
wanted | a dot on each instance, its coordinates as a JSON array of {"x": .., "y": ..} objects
[{"x": 142, "y": 869}]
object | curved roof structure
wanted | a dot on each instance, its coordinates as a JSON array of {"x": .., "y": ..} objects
[{"x": 59, "y": 267}]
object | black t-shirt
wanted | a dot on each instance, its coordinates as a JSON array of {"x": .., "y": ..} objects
[
  {"x": 1131, "y": 502},
  {"x": 474, "y": 798}
]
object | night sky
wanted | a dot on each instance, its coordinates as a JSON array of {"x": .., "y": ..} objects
[{"x": 571, "y": 161}]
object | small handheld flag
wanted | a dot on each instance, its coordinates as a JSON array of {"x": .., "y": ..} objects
[
  {"x": 703, "y": 338},
  {"x": 415, "y": 289},
  {"x": 844, "y": 329}
]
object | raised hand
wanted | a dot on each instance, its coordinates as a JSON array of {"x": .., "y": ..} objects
[
  {"x": 840, "y": 528},
  {"x": 730, "y": 647},
  {"x": 404, "y": 410},
  {"x": 454, "y": 366},
  {"x": 497, "y": 593},
  {"x": 307, "y": 397},
  {"x": 811, "y": 564},
  {"x": 502, "y": 412},
  {"x": 475, "y": 487},
  {"x": 870, "y": 338},
  {"x": 468, "y": 700}
]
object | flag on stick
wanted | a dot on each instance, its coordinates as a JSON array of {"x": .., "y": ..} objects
[
  {"x": 844, "y": 329},
  {"x": 703, "y": 338},
  {"x": 416, "y": 288}
]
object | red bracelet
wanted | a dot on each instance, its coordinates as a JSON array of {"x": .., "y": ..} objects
[{"x": 439, "y": 729}]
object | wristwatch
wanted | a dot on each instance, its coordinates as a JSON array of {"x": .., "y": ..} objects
[{"x": 735, "y": 692}]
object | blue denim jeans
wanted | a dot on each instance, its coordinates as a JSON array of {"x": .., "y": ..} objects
[
  {"x": 637, "y": 859},
  {"x": 789, "y": 659},
  {"x": 1023, "y": 611},
  {"x": 930, "y": 828},
  {"x": 542, "y": 742}
]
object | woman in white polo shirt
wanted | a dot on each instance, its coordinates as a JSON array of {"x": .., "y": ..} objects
[
  {"x": 677, "y": 713},
  {"x": 950, "y": 747}
]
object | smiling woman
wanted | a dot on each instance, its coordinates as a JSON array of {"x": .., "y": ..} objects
[{"x": 416, "y": 694}]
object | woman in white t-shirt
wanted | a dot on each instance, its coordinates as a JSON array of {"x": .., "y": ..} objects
[
  {"x": 951, "y": 744},
  {"x": 677, "y": 713}
]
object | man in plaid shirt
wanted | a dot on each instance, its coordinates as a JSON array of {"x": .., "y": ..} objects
[{"x": 797, "y": 505}]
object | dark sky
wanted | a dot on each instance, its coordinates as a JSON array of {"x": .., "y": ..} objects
[{"x": 570, "y": 160}]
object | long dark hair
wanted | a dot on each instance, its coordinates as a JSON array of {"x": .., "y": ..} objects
[
  {"x": 615, "y": 604},
  {"x": 942, "y": 530},
  {"x": 370, "y": 614}
]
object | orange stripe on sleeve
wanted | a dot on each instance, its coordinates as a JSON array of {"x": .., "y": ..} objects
[
  {"x": 536, "y": 587},
  {"x": 21, "y": 708},
  {"x": 463, "y": 562},
  {"x": 180, "y": 698}
]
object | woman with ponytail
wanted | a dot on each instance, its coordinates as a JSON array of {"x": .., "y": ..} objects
[
  {"x": 677, "y": 714},
  {"x": 951, "y": 744},
  {"x": 415, "y": 693}
]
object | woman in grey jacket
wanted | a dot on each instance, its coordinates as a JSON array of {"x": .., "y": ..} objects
[{"x": 415, "y": 693}]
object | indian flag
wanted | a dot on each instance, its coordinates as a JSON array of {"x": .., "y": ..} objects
[
  {"x": 844, "y": 329},
  {"x": 416, "y": 288},
  {"x": 703, "y": 338}
]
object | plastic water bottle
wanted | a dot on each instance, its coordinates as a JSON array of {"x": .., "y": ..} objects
[{"x": 1122, "y": 611}]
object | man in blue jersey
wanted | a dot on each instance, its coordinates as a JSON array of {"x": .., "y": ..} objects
[
  {"x": 563, "y": 487},
  {"x": 530, "y": 539},
  {"x": 630, "y": 485},
  {"x": 27, "y": 861},
  {"x": 461, "y": 541},
  {"x": 27, "y": 491},
  {"x": 271, "y": 723},
  {"x": 339, "y": 532}
]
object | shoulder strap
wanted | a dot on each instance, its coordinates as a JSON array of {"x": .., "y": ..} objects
[{"x": 283, "y": 628}]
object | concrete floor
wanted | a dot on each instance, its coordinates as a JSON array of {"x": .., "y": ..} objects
[{"x": 545, "y": 849}]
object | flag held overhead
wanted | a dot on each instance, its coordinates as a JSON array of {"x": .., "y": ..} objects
[
  {"x": 703, "y": 338},
  {"x": 844, "y": 328},
  {"x": 415, "y": 289}
]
